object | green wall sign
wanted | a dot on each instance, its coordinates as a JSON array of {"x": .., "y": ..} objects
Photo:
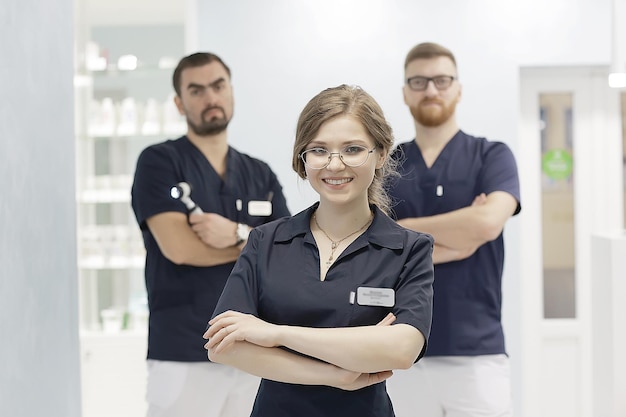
[{"x": 557, "y": 164}]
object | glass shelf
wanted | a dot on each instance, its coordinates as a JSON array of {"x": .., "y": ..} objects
[
  {"x": 116, "y": 262},
  {"x": 140, "y": 72}
]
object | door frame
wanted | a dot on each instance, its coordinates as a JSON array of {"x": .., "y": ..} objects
[{"x": 551, "y": 346}]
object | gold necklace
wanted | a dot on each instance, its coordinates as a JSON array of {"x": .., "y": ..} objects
[{"x": 334, "y": 244}]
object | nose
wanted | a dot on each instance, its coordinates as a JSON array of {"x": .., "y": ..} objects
[
  {"x": 210, "y": 96},
  {"x": 431, "y": 89},
  {"x": 335, "y": 163}
]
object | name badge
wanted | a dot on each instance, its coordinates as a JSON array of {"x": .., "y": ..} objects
[
  {"x": 369, "y": 296},
  {"x": 259, "y": 208}
]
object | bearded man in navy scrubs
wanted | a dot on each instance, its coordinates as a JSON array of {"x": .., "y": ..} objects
[
  {"x": 189, "y": 257},
  {"x": 461, "y": 190}
]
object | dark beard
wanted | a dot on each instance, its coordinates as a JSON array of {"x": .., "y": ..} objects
[
  {"x": 210, "y": 127},
  {"x": 433, "y": 119}
]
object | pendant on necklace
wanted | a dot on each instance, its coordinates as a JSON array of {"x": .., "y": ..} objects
[{"x": 333, "y": 246}]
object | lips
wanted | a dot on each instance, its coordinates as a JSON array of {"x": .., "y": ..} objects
[
  {"x": 210, "y": 109},
  {"x": 337, "y": 181},
  {"x": 431, "y": 102}
]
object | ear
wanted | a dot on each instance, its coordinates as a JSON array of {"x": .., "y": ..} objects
[
  {"x": 382, "y": 157},
  {"x": 179, "y": 105},
  {"x": 404, "y": 94}
]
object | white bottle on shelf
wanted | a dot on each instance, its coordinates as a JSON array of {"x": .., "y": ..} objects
[
  {"x": 173, "y": 122},
  {"x": 106, "y": 120},
  {"x": 129, "y": 119},
  {"x": 151, "y": 118},
  {"x": 94, "y": 118}
]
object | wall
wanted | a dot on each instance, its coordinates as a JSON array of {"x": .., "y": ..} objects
[
  {"x": 283, "y": 52},
  {"x": 39, "y": 368}
]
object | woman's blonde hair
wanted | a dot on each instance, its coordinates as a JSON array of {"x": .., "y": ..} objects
[{"x": 346, "y": 100}]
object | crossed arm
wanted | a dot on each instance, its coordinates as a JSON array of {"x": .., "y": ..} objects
[
  {"x": 207, "y": 242},
  {"x": 346, "y": 358},
  {"x": 459, "y": 233}
]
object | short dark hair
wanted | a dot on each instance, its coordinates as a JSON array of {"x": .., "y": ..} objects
[
  {"x": 197, "y": 59},
  {"x": 428, "y": 50}
]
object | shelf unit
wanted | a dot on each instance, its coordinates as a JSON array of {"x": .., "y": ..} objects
[
  {"x": 118, "y": 113},
  {"x": 124, "y": 103}
]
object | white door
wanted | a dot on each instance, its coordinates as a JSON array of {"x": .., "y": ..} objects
[{"x": 570, "y": 160}]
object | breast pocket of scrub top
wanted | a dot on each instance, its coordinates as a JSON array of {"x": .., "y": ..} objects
[{"x": 370, "y": 305}]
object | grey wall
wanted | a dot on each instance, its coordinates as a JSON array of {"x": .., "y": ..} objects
[{"x": 39, "y": 361}]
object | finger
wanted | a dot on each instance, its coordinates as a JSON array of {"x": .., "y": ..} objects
[
  {"x": 382, "y": 322},
  {"x": 226, "y": 314},
  {"x": 195, "y": 218},
  {"x": 389, "y": 318},
  {"x": 217, "y": 337},
  {"x": 210, "y": 332},
  {"x": 216, "y": 325},
  {"x": 366, "y": 379},
  {"x": 231, "y": 337},
  {"x": 379, "y": 377},
  {"x": 224, "y": 320}
]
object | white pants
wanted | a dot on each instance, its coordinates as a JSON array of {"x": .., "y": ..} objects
[
  {"x": 199, "y": 389},
  {"x": 453, "y": 386}
]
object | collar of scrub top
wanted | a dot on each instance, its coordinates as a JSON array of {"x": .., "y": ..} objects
[{"x": 383, "y": 231}]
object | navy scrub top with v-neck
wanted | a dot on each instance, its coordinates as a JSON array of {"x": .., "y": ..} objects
[
  {"x": 277, "y": 278},
  {"x": 468, "y": 293},
  {"x": 182, "y": 297}
]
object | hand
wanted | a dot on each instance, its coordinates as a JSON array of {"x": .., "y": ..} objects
[
  {"x": 404, "y": 223},
  {"x": 388, "y": 320},
  {"x": 233, "y": 326},
  {"x": 353, "y": 381},
  {"x": 479, "y": 200},
  {"x": 214, "y": 230}
]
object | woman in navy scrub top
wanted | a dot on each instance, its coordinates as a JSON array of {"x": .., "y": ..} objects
[{"x": 324, "y": 305}]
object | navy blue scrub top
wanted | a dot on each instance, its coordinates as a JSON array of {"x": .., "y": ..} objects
[
  {"x": 182, "y": 297},
  {"x": 277, "y": 278},
  {"x": 467, "y": 293}
]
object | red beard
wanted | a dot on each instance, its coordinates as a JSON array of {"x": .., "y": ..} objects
[{"x": 433, "y": 116}]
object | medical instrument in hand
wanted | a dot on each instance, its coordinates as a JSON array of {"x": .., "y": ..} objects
[{"x": 182, "y": 192}]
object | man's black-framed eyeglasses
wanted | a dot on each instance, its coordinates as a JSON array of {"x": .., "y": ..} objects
[{"x": 419, "y": 83}]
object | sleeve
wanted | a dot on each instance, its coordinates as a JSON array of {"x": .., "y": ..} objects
[
  {"x": 241, "y": 290},
  {"x": 155, "y": 175},
  {"x": 499, "y": 172},
  {"x": 414, "y": 293}
]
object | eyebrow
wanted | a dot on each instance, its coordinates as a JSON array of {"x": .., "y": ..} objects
[
  {"x": 361, "y": 142},
  {"x": 213, "y": 84},
  {"x": 434, "y": 76}
]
